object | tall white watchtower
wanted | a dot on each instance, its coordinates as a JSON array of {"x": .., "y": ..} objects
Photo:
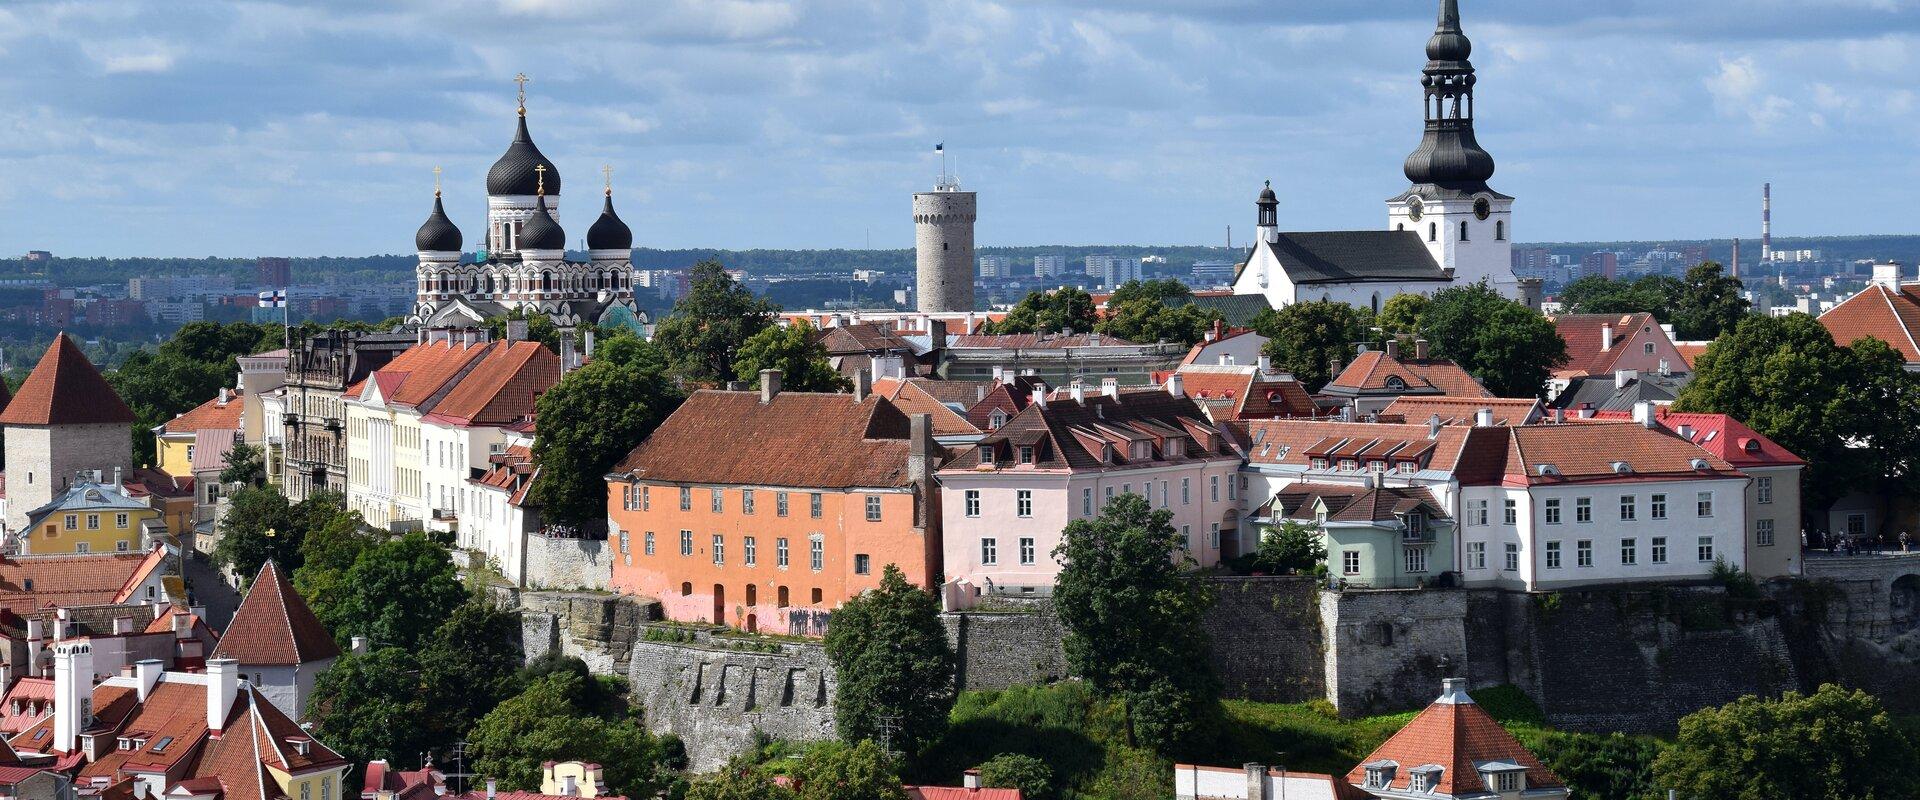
[{"x": 943, "y": 246}]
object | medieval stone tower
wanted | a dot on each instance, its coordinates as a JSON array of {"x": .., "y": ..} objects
[{"x": 943, "y": 247}]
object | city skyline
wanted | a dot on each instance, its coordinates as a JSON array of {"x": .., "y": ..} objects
[{"x": 236, "y": 130}]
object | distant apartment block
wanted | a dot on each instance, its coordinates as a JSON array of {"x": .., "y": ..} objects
[
  {"x": 996, "y": 266},
  {"x": 1601, "y": 263},
  {"x": 270, "y": 272},
  {"x": 1047, "y": 265},
  {"x": 1212, "y": 273},
  {"x": 1113, "y": 270}
]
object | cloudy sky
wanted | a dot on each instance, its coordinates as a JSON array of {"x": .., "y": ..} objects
[{"x": 181, "y": 127}]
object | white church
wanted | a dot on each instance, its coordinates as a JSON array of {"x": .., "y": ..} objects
[{"x": 1449, "y": 228}]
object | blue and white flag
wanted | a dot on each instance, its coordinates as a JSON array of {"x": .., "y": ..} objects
[
  {"x": 940, "y": 148},
  {"x": 274, "y": 299}
]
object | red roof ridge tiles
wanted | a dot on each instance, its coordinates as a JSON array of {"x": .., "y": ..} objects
[
  {"x": 214, "y": 414},
  {"x": 1370, "y": 371},
  {"x": 798, "y": 439},
  {"x": 1889, "y": 315},
  {"x": 1457, "y": 735},
  {"x": 274, "y": 626},
  {"x": 66, "y": 389},
  {"x": 501, "y": 387},
  {"x": 420, "y": 374}
]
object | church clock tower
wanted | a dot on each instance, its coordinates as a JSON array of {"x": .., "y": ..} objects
[{"x": 1465, "y": 223}]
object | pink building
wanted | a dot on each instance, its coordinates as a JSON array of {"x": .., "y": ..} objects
[{"x": 1005, "y": 501}]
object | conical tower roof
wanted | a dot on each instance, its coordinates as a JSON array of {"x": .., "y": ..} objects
[
  {"x": 274, "y": 626},
  {"x": 66, "y": 389}
]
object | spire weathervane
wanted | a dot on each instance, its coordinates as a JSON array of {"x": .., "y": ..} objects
[
  {"x": 436, "y": 181},
  {"x": 607, "y": 170},
  {"x": 541, "y": 187},
  {"x": 522, "y": 79}
]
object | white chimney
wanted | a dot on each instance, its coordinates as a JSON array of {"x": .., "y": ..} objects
[
  {"x": 1078, "y": 390},
  {"x": 72, "y": 692},
  {"x": 1433, "y": 426},
  {"x": 1040, "y": 395},
  {"x": 358, "y": 646},
  {"x": 1266, "y": 364},
  {"x": 182, "y": 625},
  {"x": 1176, "y": 385},
  {"x": 490, "y": 788},
  {"x": 1483, "y": 418},
  {"x": 769, "y": 385},
  {"x": 122, "y": 626},
  {"x": 1622, "y": 377},
  {"x": 147, "y": 672},
  {"x": 568, "y": 788},
  {"x": 223, "y": 684},
  {"x": 970, "y": 779},
  {"x": 1643, "y": 414},
  {"x": 1887, "y": 274},
  {"x": 1226, "y": 360},
  {"x": 36, "y": 642},
  {"x": 224, "y": 395},
  {"x": 1606, "y": 337},
  {"x": 1110, "y": 387}
]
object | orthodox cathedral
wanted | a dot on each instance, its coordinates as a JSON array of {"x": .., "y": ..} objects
[
  {"x": 1448, "y": 228},
  {"x": 523, "y": 265}
]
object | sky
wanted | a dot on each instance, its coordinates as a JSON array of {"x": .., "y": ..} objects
[{"x": 190, "y": 128}]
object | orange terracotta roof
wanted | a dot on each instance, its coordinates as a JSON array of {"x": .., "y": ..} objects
[
  {"x": 1892, "y": 316},
  {"x": 1589, "y": 451},
  {"x": 1241, "y": 392},
  {"x": 513, "y": 471},
  {"x": 915, "y": 397},
  {"x": 65, "y": 389},
  {"x": 958, "y": 793},
  {"x": 419, "y": 373},
  {"x": 1457, "y": 735},
  {"x": 1690, "y": 351},
  {"x": 1462, "y": 411},
  {"x": 1287, "y": 441},
  {"x": 1719, "y": 434},
  {"x": 210, "y": 415},
  {"x": 1582, "y": 334},
  {"x": 1372, "y": 372},
  {"x": 274, "y": 626},
  {"x": 502, "y": 386},
  {"x": 73, "y": 580},
  {"x": 799, "y": 439}
]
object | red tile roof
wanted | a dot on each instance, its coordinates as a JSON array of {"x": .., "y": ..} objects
[
  {"x": 1066, "y": 435},
  {"x": 74, "y": 580},
  {"x": 65, "y": 389},
  {"x": 1370, "y": 373},
  {"x": 1033, "y": 341},
  {"x": 1240, "y": 392},
  {"x": 210, "y": 415},
  {"x": 1588, "y": 452},
  {"x": 917, "y": 396},
  {"x": 27, "y": 702},
  {"x": 958, "y": 793},
  {"x": 1721, "y": 435},
  {"x": 1457, "y": 735},
  {"x": 1462, "y": 411},
  {"x": 1288, "y": 441},
  {"x": 799, "y": 439},
  {"x": 1582, "y": 334},
  {"x": 274, "y": 626},
  {"x": 1690, "y": 351},
  {"x": 418, "y": 374},
  {"x": 513, "y": 471},
  {"x": 502, "y": 386},
  {"x": 1884, "y": 313}
]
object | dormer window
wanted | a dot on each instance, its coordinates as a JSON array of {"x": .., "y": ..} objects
[
  {"x": 1380, "y": 774},
  {"x": 1416, "y": 525},
  {"x": 1377, "y": 466},
  {"x": 1346, "y": 464},
  {"x": 986, "y": 455},
  {"x": 996, "y": 419},
  {"x": 1423, "y": 779},
  {"x": 302, "y": 746},
  {"x": 1319, "y": 463},
  {"x": 1142, "y": 451},
  {"x": 1408, "y": 467},
  {"x": 1026, "y": 454},
  {"x": 1396, "y": 384},
  {"x": 1505, "y": 780},
  {"x": 1176, "y": 448}
]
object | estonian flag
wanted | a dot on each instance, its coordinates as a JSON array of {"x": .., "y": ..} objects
[
  {"x": 940, "y": 148},
  {"x": 273, "y": 299}
]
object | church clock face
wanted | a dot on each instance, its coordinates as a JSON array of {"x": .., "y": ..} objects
[
  {"x": 1415, "y": 208},
  {"x": 1482, "y": 209}
]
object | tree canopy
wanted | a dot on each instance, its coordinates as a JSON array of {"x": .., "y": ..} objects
[
  {"x": 546, "y": 722},
  {"x": 1132, "y": 618},
  {"x": 1402, "y": 312},
  {"x": 472, "y": 662},
  {"x": 374, "y": 705},
  {"x": 795, "y": 350},
  {"x": 188, "y": 369},
  {"x": 1853, "y": 412},
  {"x": 1658, "y": 295},
  {"x": 1306, "y": 338},
  {"x": 1146, "y": 318},
  {"x": 860, "y": 771},
  {"x": 1291, "y": 548},
  {"x": 895, "y": 668},
  {"x": 701, "y": 339},
  {"x": 592, "y": 418},
  {"x": 1709, "y": 305},
  {"x": 1834, "y": 744},
  {"x": 1509, "y": 347},
  {"x": 262, "y": 524},
  {"x": 1064, "y": 309},
  {"x": 396, "y": 593}
]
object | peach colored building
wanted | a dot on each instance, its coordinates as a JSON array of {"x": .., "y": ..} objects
[{"x": 766, "y": 510}]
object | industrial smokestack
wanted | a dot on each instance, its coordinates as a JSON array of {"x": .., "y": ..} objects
[
  {"x": 1766, "y": 222},
  {"x": 1736, "y": 258}
]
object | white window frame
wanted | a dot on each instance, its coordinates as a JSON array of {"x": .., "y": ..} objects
[
  {"x": 1704, "y": 549},
  {"x": 1629, "y": 508},
  {"x": 1029, "y": 553},
  {"x": 1658, "y": 552},
  {"x": 1349, "y": 562},
  {"x": 1703, "y": 504},
  {"x": 1476, "y": 555},
  {"x": 1763, "y": 489},
  {"x": 1657, "y": 506},
  {"x": 989, "y": 551},
  {"x": 1513, "y": 557},
  {"x": 972, "y": 502},
  {"x": 1552, "y": 555},
  {"x": 1629, "y": 552},
  {"x": 1763, "y": 533},
  {"x": 1023, "y": 503},
  {"x": 1583, "y": 553}
]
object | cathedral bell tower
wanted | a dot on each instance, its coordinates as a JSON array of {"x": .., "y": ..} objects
[{"x": 1463, "y": 221}]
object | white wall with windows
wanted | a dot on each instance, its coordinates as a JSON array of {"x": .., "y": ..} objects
[{"x": 1547, "y": 537}]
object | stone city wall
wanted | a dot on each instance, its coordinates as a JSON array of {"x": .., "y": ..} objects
[
  {"x": 568, "y": 564},
  {"x": 718, "y": 699}
]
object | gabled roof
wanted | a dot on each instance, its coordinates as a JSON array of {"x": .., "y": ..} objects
[
  {"x": 1457, "y": 735},
  {"x": 65, "y": 389},
  {"x": 1070, "y": 435},
  {"x": 513, "y": 471},
  {"x": 1372, "y": 372},
  {"x": 1231, "y": 392},
  {"x": 864, "y": 337},
  {"x": 418, "y": 376},
  {"x": 502, "y": 386},
  {"x": 1352, "y": 257},
  {"x": 1889, "y": 314},
  {"x": 1462, "y": 410},
  {"x": 931, "y": 397},
  {"x": 1582, "y": 333},
  {"x": 1604, "y": 392},
  {"x": 85, "y": 496},
  {"x": 798, "y": 439},
  {"x": 1592, "y": 452},
  {"x": 1721, "y": 435},
  {"x": 1354, "y": 503},
  {"x": 218, "y": 413},
  {"x": 1296, "y": 442},
  {"x": 1237, "y": 310},
  {"x": 274, "y": 626}
]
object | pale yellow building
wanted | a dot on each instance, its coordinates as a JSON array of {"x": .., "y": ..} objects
[{"x": 91, "y": 517}]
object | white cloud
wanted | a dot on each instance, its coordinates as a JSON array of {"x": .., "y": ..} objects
[{"x": 117, "y": 56}]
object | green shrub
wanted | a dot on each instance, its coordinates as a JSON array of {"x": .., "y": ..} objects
[{"x": 1030, "y": 775}]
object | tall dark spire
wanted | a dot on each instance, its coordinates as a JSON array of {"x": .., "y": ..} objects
[{"x": 1448, "y": 157}]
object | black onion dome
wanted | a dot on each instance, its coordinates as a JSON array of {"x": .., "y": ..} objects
[
  {"x": 516, "y": 172},
  {"x": 1448, "y": 42},
  {"x": 540, "y": 231},
  {"x": 1450, "y": 157},
  {"x": 608, "y": 232},
  {"x": 1267, "y": 195},
  {"x": 438, "y": 233}
]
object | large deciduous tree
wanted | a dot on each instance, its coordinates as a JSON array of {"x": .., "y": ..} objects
[
  {"x": 703, "y": 335},
  {"x": 894, "y": 665},
  {"x": 397, "y": 593},
  {"x": 1132, "y": 616},
  {"x": 1658, "y": 295},
  {"x": 1834, "y": 744},
  {"x": 1147, "y": 320},
  {"x": 1402, "y": 312},
  {"x": 1306, "y": 338},
  {"x": 797, "y": 352},
  {"x": 1510, "y": 348},
  {"x": 1853, "y": 412},
  {"x": 546, "y": 722},
  {"x": 861, "y": 771},
  {"x": 472, "y": 662},
  {"x": 1049, "y": 312},
  {"x": 593, "y": 417},
  {"x": 262, "y": 524},
  {"x": 1709, "y": 305},
  {"x": 374, "y": 705}
]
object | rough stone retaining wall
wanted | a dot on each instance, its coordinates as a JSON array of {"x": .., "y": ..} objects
[
  {"x": 599, "y": 629},
  {"x": 1266, "y": 638},
  {"x": 998, "y": 650},
  {"x": 716, "y": 699},
  {"x": 568, "y": 564},
  {"x": 1388, "y": 650}
]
